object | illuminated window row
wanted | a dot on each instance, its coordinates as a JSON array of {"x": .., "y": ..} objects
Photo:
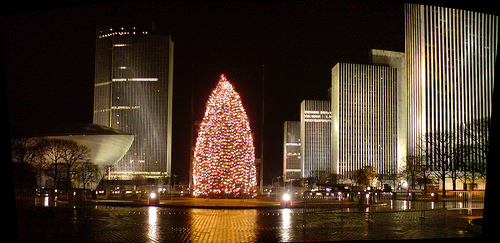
[
  {"x": 291, "y": 150},
  {"x": 134, "y": 79},
  {"x": 124, "y": 107},
  {"x": 317, "y": 116},
  {"x": 122, "y": 33},
  {"x": 317, "y": 120},
  {"x": 315, "y": 138},
  {"x": 102, "y": 110}
]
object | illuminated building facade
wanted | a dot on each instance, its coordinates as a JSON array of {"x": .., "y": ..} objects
[
  {"x": 396, "y": 60},
  {"x": 364, "y": 118},
  {"x": 133, "y": 93},
  {"x": 315, "y": 127},
  {"x": 450, "y": 56},
  {"x": 291, "y": 151}
]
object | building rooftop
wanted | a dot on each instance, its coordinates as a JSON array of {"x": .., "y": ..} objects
[{"x": 81, "y": 129}]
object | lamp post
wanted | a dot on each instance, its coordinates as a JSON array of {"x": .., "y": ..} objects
[
  {"x": 272, "y": 182},
  {"x": 153, "y": 196},
  {"x": 172, "y": 191}
]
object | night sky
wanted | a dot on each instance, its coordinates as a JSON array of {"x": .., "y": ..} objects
[{"x": 49, "y": 59}]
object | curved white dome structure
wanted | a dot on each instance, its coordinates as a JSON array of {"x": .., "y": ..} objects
[{"x": 107, "y": 145}]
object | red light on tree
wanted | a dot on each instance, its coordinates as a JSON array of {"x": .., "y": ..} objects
[{"x": 224, "y": 155}]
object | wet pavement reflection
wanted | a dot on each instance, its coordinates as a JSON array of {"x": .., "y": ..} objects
[
  {"x": 216, "y": 224},
  {"x": 286, "y": 223},
  {"x": 157, "y": 224}
]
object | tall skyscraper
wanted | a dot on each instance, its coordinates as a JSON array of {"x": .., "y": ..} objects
[
  {"x": 315, "y": 127},
  {"x": 291, "y": 151},
  {"x": 133, "y": 92},
  {"x": 397, "y": 60},
  {"x": 450, "y": 56},
  {"x": 364, "y": 118}
]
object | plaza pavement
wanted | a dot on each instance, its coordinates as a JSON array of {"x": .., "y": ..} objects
[
  {"x": 189, "y": 202},
  {"x": 160, "y": 224},
  {"x": 234, "y": 203}
]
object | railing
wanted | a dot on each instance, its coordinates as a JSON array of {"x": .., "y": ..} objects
[
  {"x": 464, "y": 200},
  {"x": 393, "y": 201}
]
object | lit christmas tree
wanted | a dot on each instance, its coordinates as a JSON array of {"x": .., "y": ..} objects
[{"x": 224, "y": 155}]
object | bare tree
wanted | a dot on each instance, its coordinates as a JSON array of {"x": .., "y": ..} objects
[
  {"x": 473, "y": 166},
  {"x": 75, "y": 153},
  {"x": 87, "y": 172},
  {"x": 477, "y": 134},
  {"x": 24, "y": 150},
  {"x": 439, "y": 151},
  {"x": 477, "y": 137},
  {"x": 53, "y": 153},
  {"x": 459, "y": 153},
  {"x": 29, "y": 151},
  {"x": 412, "y": 169},
  {"x": 62, "y": 155},
  {"x": 458, "y": 163}
]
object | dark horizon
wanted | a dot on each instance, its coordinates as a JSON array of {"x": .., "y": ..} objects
[{"x": 49, "y": 58}]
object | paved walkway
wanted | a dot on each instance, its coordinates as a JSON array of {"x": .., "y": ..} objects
[
  {"x": 187, "y": 202},
  {"x": 222, "y": 203},
  {"x": 248, "y": 203},
  {"x": 158, "y": 224}
]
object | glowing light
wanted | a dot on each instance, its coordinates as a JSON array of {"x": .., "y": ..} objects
[
  {"x": 153, "y": 223},
  {"x": 285, "y": 230},
  {"x": 286, "y": 197},
  {"x": 224, "y": 155},
  {"x": 405, "y": 184}
]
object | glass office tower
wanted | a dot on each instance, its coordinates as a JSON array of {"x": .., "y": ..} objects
[
  {"x": 291, "y": 151},
  {"x": 364, "y": 118},
  {"x": 450, "y": 56},
  {"x": 133, "y": 93},
  {"x": 315, "y": 127}
]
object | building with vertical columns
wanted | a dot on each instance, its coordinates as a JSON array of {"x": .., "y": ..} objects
[
  {"x": 364, "y": 118},
  {"x": 450, "y": 57},
  {"x": 291, "y": 151},
  {"x": 396, "y": 60},
  {"x": 315, "y": 127},
  {"x": 133, "y": 93}
]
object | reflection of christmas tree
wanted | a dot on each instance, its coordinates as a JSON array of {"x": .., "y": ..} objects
[{"x": 224, "y": 155}]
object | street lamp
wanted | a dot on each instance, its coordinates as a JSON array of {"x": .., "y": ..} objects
[
  {"x": 286, "y": 200},
  {"x": 153, "y": 198},
  {"x": 286, "y": 197}
]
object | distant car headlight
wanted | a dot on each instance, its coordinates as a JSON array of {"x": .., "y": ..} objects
[
  {"x": 286, "y": 197},
  {"x": 152, "y": 195}
]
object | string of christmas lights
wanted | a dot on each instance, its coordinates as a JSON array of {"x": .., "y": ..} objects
[{"x": 224, "y": 155}]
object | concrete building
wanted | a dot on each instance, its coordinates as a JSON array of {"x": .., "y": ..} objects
[
  {"x": 133, "y": 92},
  {"x": 396, "y": 60},
  {"x": 450, "y": 57},
  {"x": 315, "y": 127},
  {"x": 364, "y": 118},
  {"x": 291, "y": 151},
  {"x": 107, "y": 145}
]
